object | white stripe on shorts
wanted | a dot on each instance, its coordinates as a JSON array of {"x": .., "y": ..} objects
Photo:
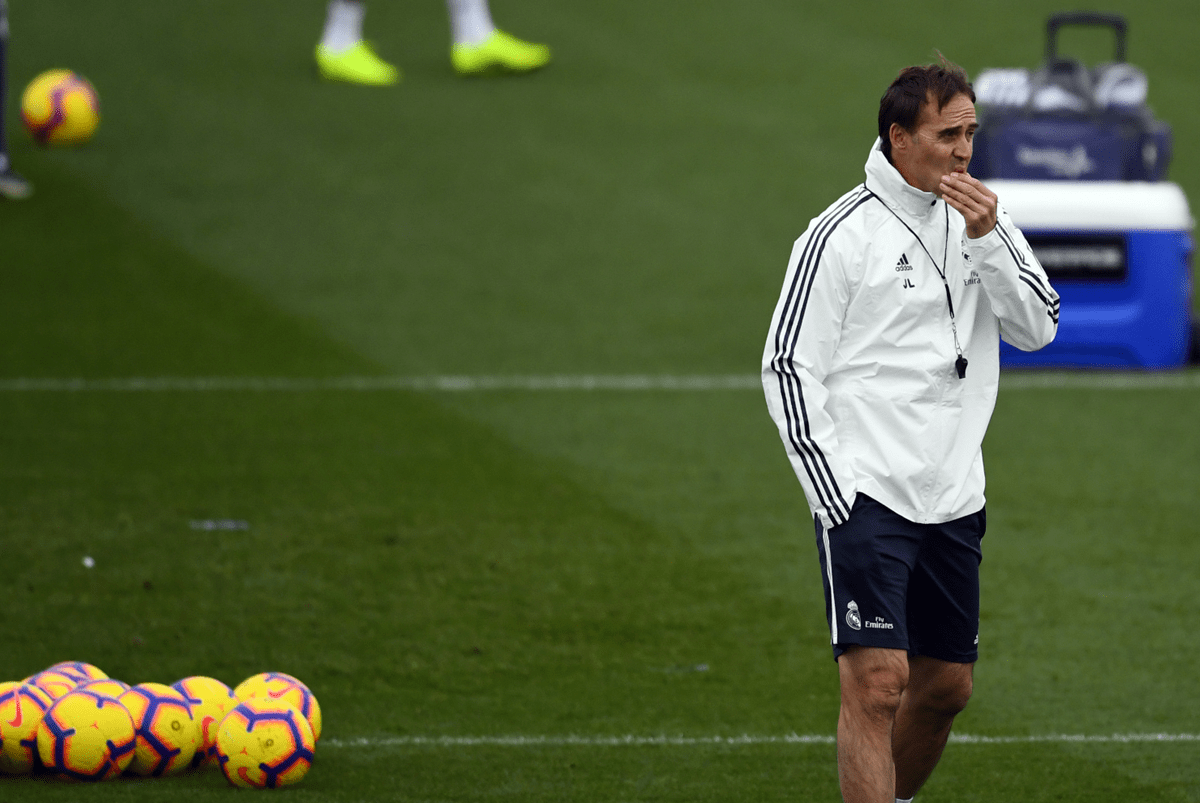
[{"x": 833, "y": 608}]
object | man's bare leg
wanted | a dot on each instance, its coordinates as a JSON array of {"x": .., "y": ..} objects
[
  {"x": 936, "y": 692},
  {"x": 873, "y": 682}
]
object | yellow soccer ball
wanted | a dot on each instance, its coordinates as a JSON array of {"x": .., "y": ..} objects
[
  {"x": 60, "y": 107},
  {"x": 167, "y": 736},
  {"x": 86, "y": 736},
  {"x": 22, "y": 706},
  {"x": 264, "y": 743},
  {"x": 53, "y": 682},
  {"x": 282, "y": 686},
  {"x": 81, "y": 671},
  {"x": 110, "y": 686},
  {"x": 210, "y": 700}
]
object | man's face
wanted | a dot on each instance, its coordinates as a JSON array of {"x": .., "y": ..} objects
[{"x": 940, "y": 145}]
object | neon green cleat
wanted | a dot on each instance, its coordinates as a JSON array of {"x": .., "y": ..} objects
[
  {"x": 356, "y": 65},
  {"x": 499, "y": 53}
]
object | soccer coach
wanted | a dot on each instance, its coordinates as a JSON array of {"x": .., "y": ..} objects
[{"x": 880, "y": 370}]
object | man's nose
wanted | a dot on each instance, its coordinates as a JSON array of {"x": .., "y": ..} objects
[{"x": 962, "y": 147}]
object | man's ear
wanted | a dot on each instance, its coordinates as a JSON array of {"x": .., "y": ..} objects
[{"x": 899, "y": 138}]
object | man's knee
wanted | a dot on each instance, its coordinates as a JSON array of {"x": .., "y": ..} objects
[
  {"x": 951, "y": 698},
  {"x": 942, "y": 688}
]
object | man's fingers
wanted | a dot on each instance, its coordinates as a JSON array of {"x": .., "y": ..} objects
[
  {"x": 968, "y": 189},
  {"x": 973, "y": 200},
  {"x": 964, "y": 203},
  {"x": 969, "y": 186}
]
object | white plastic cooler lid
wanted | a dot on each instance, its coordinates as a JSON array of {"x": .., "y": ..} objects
[{"x": 1094, "y": 205}]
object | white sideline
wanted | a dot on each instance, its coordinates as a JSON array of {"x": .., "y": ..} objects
[
  {"x": 1009, "y": 380},
  {"x": 702, "y": 741}
]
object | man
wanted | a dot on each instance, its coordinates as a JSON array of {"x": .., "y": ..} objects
[
  {"x": 881, "y": 370},
  {"x": 479, "y": 48}
]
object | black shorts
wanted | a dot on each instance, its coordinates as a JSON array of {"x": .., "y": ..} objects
[{"x": 890, "y": 582}]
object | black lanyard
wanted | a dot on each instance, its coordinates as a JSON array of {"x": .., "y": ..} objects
[{"x": 960, "y": 365}]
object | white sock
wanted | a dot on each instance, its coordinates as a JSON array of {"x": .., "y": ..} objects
[
  {"x": 904, "y": 800},
  {"x": 343, "y": 24},
  {"x": 470, "y": 21}
]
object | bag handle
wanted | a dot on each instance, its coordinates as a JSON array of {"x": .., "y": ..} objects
[{"x": 1056, "y": 21}]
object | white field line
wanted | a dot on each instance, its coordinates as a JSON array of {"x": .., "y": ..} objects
[
  {"x": 1021, "y": 380},
  {"x": 1133, "y": 380},
  {"x": 449, "y": 383},
  {"x": 706, "y": 741}
]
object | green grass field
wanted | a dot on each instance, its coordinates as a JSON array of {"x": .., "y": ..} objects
[{"x": 522, "y": 594}]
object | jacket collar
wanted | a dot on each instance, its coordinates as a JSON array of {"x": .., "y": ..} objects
[{"x": 885, "y": 180}]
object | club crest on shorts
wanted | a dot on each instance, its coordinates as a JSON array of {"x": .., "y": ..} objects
[{"x": 852, "y": 617}]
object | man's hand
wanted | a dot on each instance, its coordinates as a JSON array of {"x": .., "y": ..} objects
[{"x": 976, "y": 202}]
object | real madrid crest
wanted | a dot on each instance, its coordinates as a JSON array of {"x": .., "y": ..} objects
[{"x": 852, "y": 617}]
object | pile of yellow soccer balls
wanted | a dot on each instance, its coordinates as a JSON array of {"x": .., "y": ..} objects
[{"x": 73, "y": 721}]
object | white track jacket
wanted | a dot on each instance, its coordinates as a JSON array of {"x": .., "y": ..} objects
[{"x": 859, "y": 366}]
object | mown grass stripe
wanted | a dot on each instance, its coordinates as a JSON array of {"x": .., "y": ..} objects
[
  {"x": 570, "y": 740},
  {"x": 1026, "y": 380}
]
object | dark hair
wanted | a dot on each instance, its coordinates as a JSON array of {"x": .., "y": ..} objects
[{"x": 902, "y": 101}]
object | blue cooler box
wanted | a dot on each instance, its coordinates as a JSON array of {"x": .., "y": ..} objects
[{"x": 1119, "y": 254}]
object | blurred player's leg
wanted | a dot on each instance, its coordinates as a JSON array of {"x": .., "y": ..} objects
[
  {"x": 11, "y": 184},
  {"x": 343, "y": 54},
  {"x": 480, "y": 48},
  {"x": 470, "y": 21}
]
